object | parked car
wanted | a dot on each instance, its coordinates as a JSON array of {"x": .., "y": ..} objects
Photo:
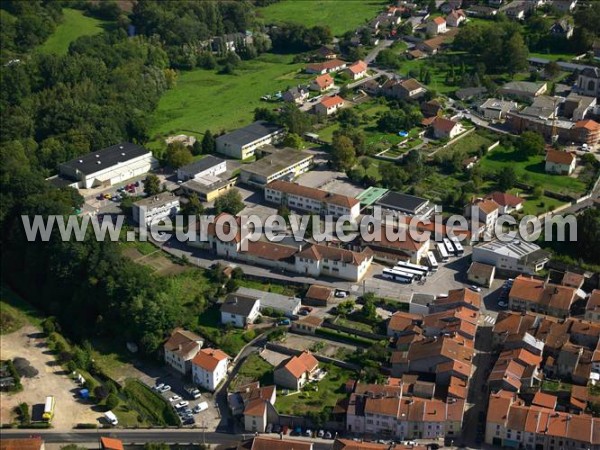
[
  {"x": 328, "y": 435},
  {"x": 182, "y": 404},
  {"x": 158, "y": 387},
  {"x": 475, "y": 288},
  {"x": 503, "y": 304},
  {"x": 306, "y": 308},
  {"x": 202, "y": 406},
  {"x": 341, "y": 294},
  {"x": 175, "y": 398},
  {"x": 284, "y": 322},
  {"x": 303, "y": 312},
  {"x": 308, "y": 433},
  {"x": 165, "y": 388},
  {"x": 320, "y": 433},
  {"x": 195, "y": 393}
]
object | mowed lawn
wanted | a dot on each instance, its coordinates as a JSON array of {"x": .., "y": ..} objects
[
  {"x": 205, "y": 99},
  {"x": 532, "y": 169},
  {"x": 340, "y": 16},
  {"x": 74, "y": 25}
]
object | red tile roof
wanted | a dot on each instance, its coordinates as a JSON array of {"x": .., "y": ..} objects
[
  {"x": 209, "y": 358},
  {"x": 506, "y": 199},
  {"x": 544, "y": 400},
  {"x": 328, "y": 102},
  {"x": 298, "y": 365},
  {"x": 559, "y": 157},
  {"x": 588, "y": 124},
  {"x": 327, "y": 65},
  {"x": 111, "y": 443},
  {"x": 443, "y": 124},
  {"x": 313, "y": 193},
  {"x": 593, "y": 303},
  {"x": 439, "y": 21},
  {"x": 23, "y": 444},
  {"x": 318, "y": 252},
  {"x": 358, "y": 67},
  {"x": 324, "y": 81}
]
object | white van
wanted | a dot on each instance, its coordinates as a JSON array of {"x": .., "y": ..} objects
[{"x": 112, "y": 419}]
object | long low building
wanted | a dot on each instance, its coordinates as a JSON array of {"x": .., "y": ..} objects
[
  {"x": 514, "y": 256},
  {"x": 208, "y": 188},
  {"x": 312, "y": 200},
  {"x": 109, "y": 166},
  {"x": 155, "y": 208},
  {"x": 286, "y": 305},
  {"x": 281, "y": 164}
]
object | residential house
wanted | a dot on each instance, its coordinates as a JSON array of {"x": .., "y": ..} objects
[
  {"x": 432, "y": 46},
  {"x": 514, "y": 257},
  {"x": 562, "y": 28},
  {"x": 181, "y": 348},
  {"x": 530, "y": 294},
  {"x": 451, "y": 5},
  {"x": 329, "y": 105},
  {"x": 409, "y": 89},
  {"x": 559, "y": 162},
  {"x": 481, "y": 11},
  {"x": 356, "y": 71},
  {"x": 258, "y": 407},
  {"x": 436, "y": 26},
  {"x": 495, "y": 109},
  {"x": 586, "y": 132},
  {"x": 516, "y": 12},
  {"x": 482, "y": 274},
  {"x": 209, "y": 368},
  {"x": 508, "y": 203},
  {"x": 319, "y": 260},
  {"x": 592, "y": 308},
  {"x": 295, "y": 372},
  {"x": 455, "y": 18},
  {"x": 432, "y": 108},
  {"x": 155, "y": 208},
  {"x": 577, "y": 107},
  {"x": 322, "y": 83},
  {"x": 484, "y": 210},
  {"x": 283, "y": 304},
  {"x": 106, "y": 443},
  {"x": 396, "y": 243},
  {"x": 515, "y": 369},
  {"x": 297, "y": 95},
  {"x": 318, "y": 295},
  {"x": 330, "y": 66},
  {"x": 208, "y": 166},
  {"x": 573, "y": 279},
  {"x": 457, "y": 298},
  {"x": 239, "y": 310},
  {"x": 313, "y": 200},
  {"x": 402, "y": 323},
  {"x": 243, "y": 142},
  {"x": 307, "y": 325},
  {"x": 28, "y": 443},
  {"x": 445, "y": 128},
  {"x": 325, "y": 53}
]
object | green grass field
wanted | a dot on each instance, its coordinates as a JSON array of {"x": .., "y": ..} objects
[
  {"x": 331, "y": 389},
  {"x": 532, "y": 169},
  {"x": 340, "y": 16},
  {"x": 205, "y": 99},
  {"x": 74, "y": 25},
  {"x": 150, "y": 405},
  {"x": 254, "y": 369}
]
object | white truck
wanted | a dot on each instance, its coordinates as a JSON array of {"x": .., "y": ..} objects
[{"x": 111, "y": 418}]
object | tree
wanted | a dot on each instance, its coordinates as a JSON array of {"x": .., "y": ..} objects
[
  {"x": 343, "y": 153},
  {"x": 193, "y": 207},
  {"x": 292, "y": 140},
  {"x": 348, "y": 117},
  {"x": 151, "y": 185},
  {"x": 209, "y": 144},
  {"x": 506, "y": 178},
  {"x": 231, "y": 202},
  {"x": 530, "y": 143},
  {"x": 112, "y": 401},
  {"x": 346, "y": 307},
  {"x": 296, "y": 121},
  {"x": 178, "y": 155},
  {"x": 516, "y": 54},
  {"x": 552, "y": 69}
]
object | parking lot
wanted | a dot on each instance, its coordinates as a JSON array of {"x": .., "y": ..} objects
[{"x": 209, "y": 418}]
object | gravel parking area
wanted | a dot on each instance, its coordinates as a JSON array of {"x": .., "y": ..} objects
[{"x": 51, "y": 380}]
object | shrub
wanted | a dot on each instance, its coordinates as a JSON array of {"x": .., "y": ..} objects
[
  {"x": 23, "y": 414},
  {"x": 112, "y": 401}
]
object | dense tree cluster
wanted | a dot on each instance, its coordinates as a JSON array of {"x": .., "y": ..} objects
[
  {"x": 294, "y": 38},
  {"x": 500, "y": 45}
]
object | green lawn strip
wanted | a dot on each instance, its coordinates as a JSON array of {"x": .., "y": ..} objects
[
  {"x": 330, "y": 391},
  {"x": 204, "y": 99},
  {"x": 20, "y": 310},
  {"x": 531, "y": 167},
  {"x": 339, "y": 15},
  {"x": 230, "y": 341},
  {"x": 470, "y": 144},
  {"x": 254, "y": 369},
  {"x": 353, "y": 324},
  {"x": 74, "y": 25},
  {"x": 345, "y": 337},
  {"x": 150, "y": 405},
  {"x": 556, "y": 386},
  {"x": 289, "y": 290},
  {"x": 553, "y": 56},
  {"x": 541, "y": 205}
]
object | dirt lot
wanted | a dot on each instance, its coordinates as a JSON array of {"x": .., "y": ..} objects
[
  {"x": 51, "y": 380},
  {"x": 305, "y": 342}
]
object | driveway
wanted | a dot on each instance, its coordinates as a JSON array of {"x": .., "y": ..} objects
[{"x": 29, "y": 343}]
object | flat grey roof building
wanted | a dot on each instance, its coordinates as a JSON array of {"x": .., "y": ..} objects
[
  {"x": 278, "y": 164},
  {"x": 250, "y": 133},
  {"x": 288, "y": 305},
  {"x": 107, "y": 157},
  {"x": 202, "y": 164},
  {"x": 405, "y": 203}
]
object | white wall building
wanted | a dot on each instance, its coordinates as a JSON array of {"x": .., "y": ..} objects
[
  {"x": 515, "y": 256},
  {"x": 207, "y": 166},
  {"x": 181, "y": 348},
  {"x": 243, "y": 142},
  {"x": 239, "y": 310},
  {"x": 108, "y": 166},
  {"x": 155, "y": 208},
  {"x": 209, "y": 368}
]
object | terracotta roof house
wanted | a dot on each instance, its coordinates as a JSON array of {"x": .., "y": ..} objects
[
  {"x": 25, "y": 444},
  {"x": 457, "y": 298},
  {"x": 318, "y": 295},
  {"x": 258, "y": 406},
  {"x": 356, "y": 70},
  {"x": 445, "y": 128},
  {"x": 573, "y": 279},
  {"x": 530, "y": 294},
  {"x": 507, "y": 202},
  {"x": 403, "y": 323},
  {"x": 431, "y": 108},
  {"x": 317, "y": 260},
  {"x": 296, "y": 371},
  {"x": 456, "y": 17},
  {"x": 268, "y": 443},
  {"x": 436, "y": 26},
  {"x": 330, "y": 66},
  {"x": 559, "y": 162},
  {"x": 181, "y": 348},
  {"x": 108, "y": 443},
  {"x": 307, "y": 325},
  {"x": 592, "y": 309},
  {"x": 322, "y": 83},
  {"x": 325, "y": 53},
  {"x": 329, "y": 105},
  {"x": 209, "y": 368}
]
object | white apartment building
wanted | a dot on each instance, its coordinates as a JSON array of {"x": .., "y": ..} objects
[
  {"x": 155, "y": 208},
  {"x": 243, "y": 142},
  {"x": 319, "y": 260},
  {"x": 316, "y": 201},
  {"x": 209, "y": 166},
  {"x": 209, "y": 368},
  {"x": 181, "y": 348},
  {"x": 286, "y": 163}
]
